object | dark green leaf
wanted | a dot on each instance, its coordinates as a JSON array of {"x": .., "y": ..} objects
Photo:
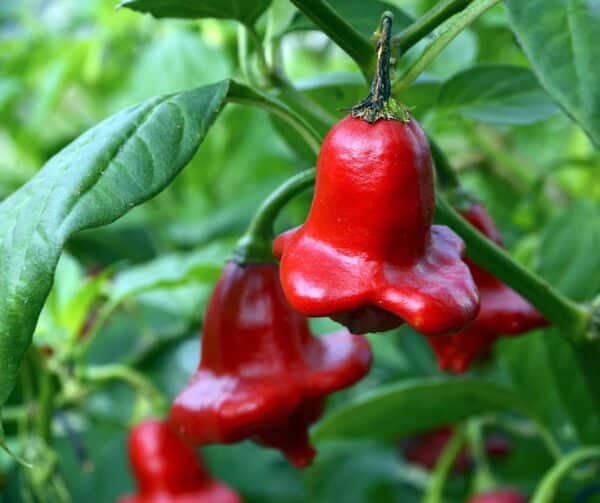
[
  {"x": 501, "y": 94},
  {"x": 120, "y": 163},
  {"x": 413, "y": 406},
  {"x": 560, "y": 38},
  {"x": 245, "y": 11},
  {"x": 362, "y": 15}
]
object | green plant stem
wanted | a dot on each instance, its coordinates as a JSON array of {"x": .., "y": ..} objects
[
  {"x": 45, "y": 401},
  {"x": 258, "y": 46},
  {"x": 549, "y": 485},
  {"x": 311, "y": 108},
  {"x": 358, "y": 47},
  {"x": 483, "y": 480},
  {"x": 443, "y": 467},
  {"x": 255, "y": 244},
  {"x": 14, "y": 413},
  {"x": 441, "y": 37},
  {"x": 566, "y": 314},
  {"x": 426, "y": 23},
  {"x": 243, "y": 56},
  {"x": 446, "y": 175},
  {"x": 246, "y": 96},
  {"x": 117, "y": 372}
]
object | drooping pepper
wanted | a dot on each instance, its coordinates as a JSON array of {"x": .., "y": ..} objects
[
  {"x": 262, "y": 374},
  {"x": 503, "y": 311},
  {"x": 505, "y": 495},
  {"x": 368, "y": 255},
  {"x": 168, "y": 470}
]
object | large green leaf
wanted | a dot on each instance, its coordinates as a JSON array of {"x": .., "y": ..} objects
[
  {"x": 118, "y": 164},
  {"x": 413, "y": 406},
  {"x": 501, "y": 94},
  {"x": 245, "y": 11},
  {"x": 560, "y": 39},
  {"x": 362, "y": 15}
]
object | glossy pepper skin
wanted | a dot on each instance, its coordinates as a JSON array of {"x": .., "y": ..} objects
[
  {"x": 168, "y": 470},
  {"x": 262, "y": 374},
  {"x": 367, "y": 255},
  {"x": 503, "y": 311},
  {"x": 505, "y": 495}
]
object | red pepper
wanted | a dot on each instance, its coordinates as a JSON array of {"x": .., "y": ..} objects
[
  {"x": 262, "y": 374},
  {"x": 503, "y": 311},
  {"x": 168, "y": 470},
  {"x": 505, "y": 495},
  {"x": 368, "y": 254}
]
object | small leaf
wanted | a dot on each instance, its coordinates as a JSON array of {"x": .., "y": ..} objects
[
  {"x": 500, "y": 94},
  {"x": 414, "y": 406},
  {"x": 245, "y": 11},
  {"x": 560, "y": 39},
  {"x": 363, "y": 15},
  {"x": 118, "y": 164}
]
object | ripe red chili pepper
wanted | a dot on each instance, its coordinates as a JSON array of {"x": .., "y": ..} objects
[
  {"x": 505, "y": 495},
  {"x": 168, "y": 470},
  {"x": 262, "y": 374},
  {"x": 367, "y": 254},
  {"x": 503, "y": 311}
]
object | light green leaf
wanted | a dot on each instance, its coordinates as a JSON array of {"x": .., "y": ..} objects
[
  {"x": 560, "y": 39},
  {"x": 501, "y": 94},
  {"x": 413, "y": 406},
  {"x": 203, "y": 265},
  {"x": 120, "y": 163},
  {"x": 245, "y": 11}
]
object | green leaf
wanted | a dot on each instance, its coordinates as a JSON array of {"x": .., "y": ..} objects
[
  {"x": 120, "y": 163},
  {"x": 552, "y": 384},
  {"x": 560, "y": 39},
  {"x": 363, "y": 16},
  {"x": 245, "y": 11},
  {"x": 569, "y": 258},
  {"x": 501, "y": 94},
  {"x": 413, "y": 406},
  {"x": 169, "y": 271}
]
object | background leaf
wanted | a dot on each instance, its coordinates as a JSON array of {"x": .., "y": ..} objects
[
  {"x": 501, "y": 94},
  {"x": 245, "y": 11},
  {"x": 114, "y": 166},
  {"x": 364, "y": 16},
  {"x": 560, "y": 39},
  {"x": 414, "y": 406}
]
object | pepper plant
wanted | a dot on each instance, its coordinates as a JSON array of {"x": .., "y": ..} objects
[{"x": 455, "y": 220}]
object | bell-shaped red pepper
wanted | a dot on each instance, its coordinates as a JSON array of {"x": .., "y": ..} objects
[
  {"x": 502, "y": 311},
  {"x": 262, "y": 374},
  {"x": 168, "y": 470},
  {"x": 368, "y": 255},
  {"x": 505, "y": 495}
]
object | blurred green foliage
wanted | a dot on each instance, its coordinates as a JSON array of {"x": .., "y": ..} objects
[{"x": 66, "y": 64}]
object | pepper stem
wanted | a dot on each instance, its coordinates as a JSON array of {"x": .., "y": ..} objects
[
  {"x": 255, "y": 245},
  {"x": 379, "y": 104}
]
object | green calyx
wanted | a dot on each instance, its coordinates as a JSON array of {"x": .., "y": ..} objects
[
  {"x": 255, "y": 244},
  {"x": 379, "y": 104}
]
